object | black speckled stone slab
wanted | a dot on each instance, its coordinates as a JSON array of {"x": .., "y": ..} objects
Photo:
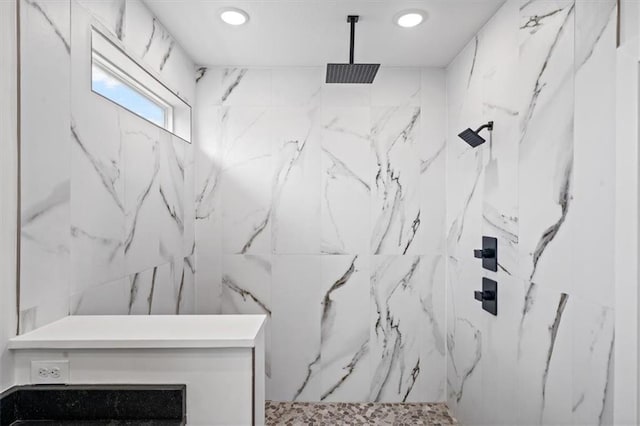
[
  {"x": 75, "y": 405},
  {"x": 153, "y": 422}
]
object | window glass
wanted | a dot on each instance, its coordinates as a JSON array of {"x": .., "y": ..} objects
[{"x": 107, "y": 84}]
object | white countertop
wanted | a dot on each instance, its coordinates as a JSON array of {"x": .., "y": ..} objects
[{"x": 144, "y": 331}]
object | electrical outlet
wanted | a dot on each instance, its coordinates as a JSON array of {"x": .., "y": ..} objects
[{"x": 50, "y": 371}]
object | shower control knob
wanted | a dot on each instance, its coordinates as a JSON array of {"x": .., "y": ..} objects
[
  {"x": 488, "y": 253},
  {"x": 484, "y": 253},
  {"x": 484, "y": 295},
  {"x": 488, "y": 296}
]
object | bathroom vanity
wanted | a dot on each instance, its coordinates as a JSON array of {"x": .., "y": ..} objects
[{"x": 219, "y": 358}]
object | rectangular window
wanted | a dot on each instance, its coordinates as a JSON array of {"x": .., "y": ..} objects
[
  {"x": 113, "y": 84},
  {"x": 118, "y": 78}
]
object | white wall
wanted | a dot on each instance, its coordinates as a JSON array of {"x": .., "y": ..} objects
[
  {"x": 8, "y": 187},
  {"x": 107, "y": 198},
  {"x": 323, "y": 207},
  {"x": 544, "y": 186},
  {"x": 627, "y": 172}
]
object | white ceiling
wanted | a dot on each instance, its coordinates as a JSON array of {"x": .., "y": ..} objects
[{"x": 314, "y": 32}]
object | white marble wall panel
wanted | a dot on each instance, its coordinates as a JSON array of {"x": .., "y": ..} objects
[
  {"x": 143, "y": 204},
  {"x": 464, "y": 369},
  {"x": 188, "y": 199},
  {"x": 395, "y": 326},
  {"x": 348, "y": 95},
  {"x": 296, "y": 87},
  {"x": 186, "y": 287},
  {"x": 285, "y": 173},
  {"x": 37, "y": 316},
  {"x": 93, "y": 208},
  {"x": 144, "y": 287},
  {"x": 296, "y": 293},
  {"x": 208, "y": 209},
  {"x": 500, "y": 103},
  {"x": 500, "y": 207},
  {"x": 544, "y": 360},
  {"x": 546, "y": 83},
  {"x": 246, "y": 284},
  {"x": 464, "y": 169},
  {"x": 347, "y": 164},
  {"x": 295, "y": 209},
  {"x": 396, "y": 87},
  {"x": 593, "y": 193},
  {"x": 247, "y": 180},
  {"x": 246, "y": 289},
  {"x": 208, "y": 263},
  {"x": 174, "y": 288},
  {"x": 113, "y": 298},
  {"x": 592, "y": 363},
  {"x": 396, "y": 198},
  {"x": 407, "y": 328},
  {"x": 45, "y": 34},
  {"x": 464, "y": 176},
  {"x": 171, "y": 177},
  {"x": 346, "y": 352},
  {"x": 433, "y": 158},
  {"x": 243, "y": 86},
  {"x": 208, "y": 250},
  {"x": 542, "y": 185},
  {"x": 97, "y": 172},
  {"x": 431, "y": 383},
  {"x": 546, "y": 80},
  {"x": 164, "y": 289},
  {"x": 97, "y": 200}
]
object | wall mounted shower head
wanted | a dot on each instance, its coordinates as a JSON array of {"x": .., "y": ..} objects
[{"x": 472, "y": 137}]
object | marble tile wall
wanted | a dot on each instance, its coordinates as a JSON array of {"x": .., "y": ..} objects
[
  {"x": 323, "y": 207},
  {"x": 8, "y": 188},
  {"x": 45, "y": 43},
  {"x": 347, "y": 214},
  {"x": 544, "y": 71},
  {"x": 107, "y": 198}
]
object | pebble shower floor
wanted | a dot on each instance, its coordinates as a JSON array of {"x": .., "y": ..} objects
[{"x": 357, "y": 414}]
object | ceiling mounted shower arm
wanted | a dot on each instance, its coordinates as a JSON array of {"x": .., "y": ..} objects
[
  {"x": 351, "y": 73},
  {"x": 488, "y": 126},
  {"x": 352, "y": 19}
]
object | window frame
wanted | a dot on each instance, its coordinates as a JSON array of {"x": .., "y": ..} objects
[
  {"x": 109, "y": 55},
  {"x": 123, "y": 77}
]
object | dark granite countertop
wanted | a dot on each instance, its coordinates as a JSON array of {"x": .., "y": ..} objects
[
  {"x": 92, "y": 405},
  {"x": 97, "y": 423}
]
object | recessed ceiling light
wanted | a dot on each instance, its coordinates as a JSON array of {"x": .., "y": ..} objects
[
  {"x": 410, "y": 18},
  {"x": 234, "y": 16}
]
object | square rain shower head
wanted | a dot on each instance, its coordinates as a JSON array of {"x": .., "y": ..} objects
[
  {"x": 351, "y": 73},
  {"x": 471, "y": 137}
]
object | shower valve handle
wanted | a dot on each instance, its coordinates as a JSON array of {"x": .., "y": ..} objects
[
  {"x": 484, "y": 253},
  {"x": 484, "y": 295},
  {"x": 488, "y": 296}
]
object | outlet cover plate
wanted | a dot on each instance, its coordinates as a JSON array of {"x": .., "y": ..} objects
[{"x": 50, "y": 371}]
